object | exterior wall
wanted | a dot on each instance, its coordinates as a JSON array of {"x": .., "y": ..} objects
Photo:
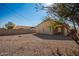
[
  {"x": 78, "y": 32},
  {"x": 65, "y": 32},
  {"x": 44, "y": 28},
  {"x": 59, "y": 29}
]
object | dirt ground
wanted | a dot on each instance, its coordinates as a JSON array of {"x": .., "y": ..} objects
[{"x": 37, "y": 45}]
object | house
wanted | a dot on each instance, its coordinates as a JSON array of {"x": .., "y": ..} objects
[
  {"x": 22, "y": 27},
  {"x": 49, "y": 26}
]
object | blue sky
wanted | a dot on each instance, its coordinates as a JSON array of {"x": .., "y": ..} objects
[{"x": 20, "y": 14}]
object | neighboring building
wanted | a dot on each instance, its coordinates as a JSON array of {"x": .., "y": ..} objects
[
  {"x": 22, "y": 27},
  {"x": 46, "y": 28}
]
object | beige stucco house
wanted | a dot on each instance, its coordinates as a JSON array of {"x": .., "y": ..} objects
[{"x": 46, "y": 28}]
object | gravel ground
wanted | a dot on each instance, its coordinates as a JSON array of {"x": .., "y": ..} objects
[{"x": 37, "y": 45}]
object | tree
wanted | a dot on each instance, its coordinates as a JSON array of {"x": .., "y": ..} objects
[
  {"x": 68, "y": 11},
  {"x": 62, "y": 10},
  {"x": 10, "y": 25}
]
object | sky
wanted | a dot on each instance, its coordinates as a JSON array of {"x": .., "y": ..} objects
[{"x": 22, "y": 14}]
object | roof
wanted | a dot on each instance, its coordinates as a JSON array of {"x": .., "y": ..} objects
[{"x": 48, "y": 19}]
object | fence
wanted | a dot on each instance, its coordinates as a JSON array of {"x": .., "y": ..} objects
[{"x": 14, "y": 31}]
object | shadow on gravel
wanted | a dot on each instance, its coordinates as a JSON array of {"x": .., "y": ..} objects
[{"x": 52, "y": 37}]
